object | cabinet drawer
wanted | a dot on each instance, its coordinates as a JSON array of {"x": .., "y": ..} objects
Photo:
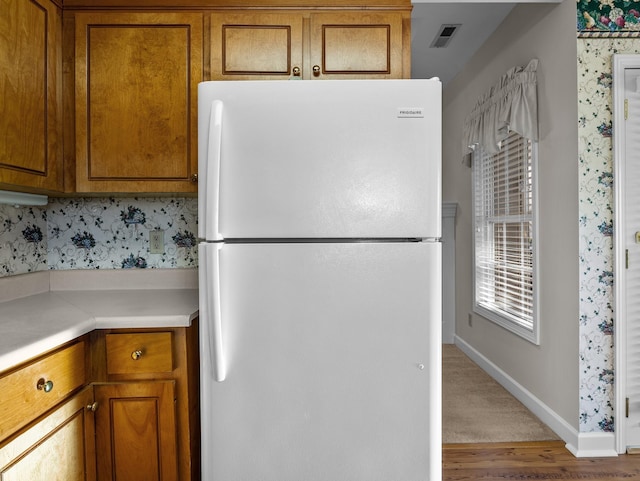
[
  {"x": 30, "y": 391},
  {"x": 138, "y": 353}
]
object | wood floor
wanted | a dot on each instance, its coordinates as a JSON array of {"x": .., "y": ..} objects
[{"x": 532, "y": 461}]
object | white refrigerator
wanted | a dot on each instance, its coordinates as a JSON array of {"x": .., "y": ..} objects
[{"x": 320, "y": 280}]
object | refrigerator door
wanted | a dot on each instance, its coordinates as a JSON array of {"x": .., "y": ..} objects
[
  {"x": 339, "y": 159},
  {"x": 333, "y": 364}
]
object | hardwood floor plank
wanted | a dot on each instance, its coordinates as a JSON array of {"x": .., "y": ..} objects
[{"x": 532, "y": 461}]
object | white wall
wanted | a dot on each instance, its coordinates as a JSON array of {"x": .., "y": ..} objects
[{"x": 548, "y": 371}]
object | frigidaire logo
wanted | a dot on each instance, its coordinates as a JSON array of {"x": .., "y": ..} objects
[{"x": 411, "y": 112}]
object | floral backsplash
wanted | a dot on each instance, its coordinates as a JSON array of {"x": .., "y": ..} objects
[
  {"x": 23, "y": 240},
  {"x": 97, "y": 233}
]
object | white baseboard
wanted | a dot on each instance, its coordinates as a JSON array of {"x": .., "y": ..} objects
[
  {"x": 593, "y": 445},
  {"x": 579, "y": 444}
]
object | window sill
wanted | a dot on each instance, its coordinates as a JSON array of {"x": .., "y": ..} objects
[{"x": 531, "y": 335}]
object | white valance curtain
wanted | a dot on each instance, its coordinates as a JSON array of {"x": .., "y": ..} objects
[{"x": 510, "y": 105}]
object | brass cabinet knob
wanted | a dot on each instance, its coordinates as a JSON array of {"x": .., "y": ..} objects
[
  {"x": 135, "y": 355},
  {"x": 194, "y": 178},
  {"x": 92, "y": 407},
  {"x": 42, "y": 385},
  {"x": 296, "y": 71},
  {"x": 316, "y": 70}
]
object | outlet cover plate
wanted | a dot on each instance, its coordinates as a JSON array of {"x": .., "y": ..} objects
[{"x": 156, "y": 241}]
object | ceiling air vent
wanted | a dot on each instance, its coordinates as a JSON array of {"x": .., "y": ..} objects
[{"x": 445, "y": 34}]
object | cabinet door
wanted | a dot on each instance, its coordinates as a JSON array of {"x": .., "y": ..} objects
[
  {"x": 136, "y": 108},
  {"x": 57, "y": 448},
  {"x": 252, "y": 45},
  {"x": 136, "y": 431},
  {"x": 31, "y": 95},
  {"x": 356, "y": 45}
]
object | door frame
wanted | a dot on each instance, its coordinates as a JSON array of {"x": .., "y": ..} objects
[{"x": 620, "y": 63}]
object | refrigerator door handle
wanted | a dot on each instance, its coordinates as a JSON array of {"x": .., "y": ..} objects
[
  {"x": 211, "y": 341},
  {"x": 212, "y": 194}
]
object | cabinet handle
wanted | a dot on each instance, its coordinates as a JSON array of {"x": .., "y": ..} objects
[
  {"x": 194, "y": 178},
  {"x": 296, "y": 71},
  {"x": 135, "y": 355},
  {"x": 316, "y": 70},
  {"x": 92, "y": 407},
  {"x": 46, "y": 386}
]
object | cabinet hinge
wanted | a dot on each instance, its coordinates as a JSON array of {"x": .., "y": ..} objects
[
  {"x": 626, "y": 258},
  {"x": 626, "y": 407},
  {"x": 626, "y": 109}
]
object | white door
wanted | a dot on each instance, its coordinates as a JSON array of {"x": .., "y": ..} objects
[
  {"x": 339, "y": 159},
  {"x": 632, "y": 247},
  {"x": 332, "y": 356}
]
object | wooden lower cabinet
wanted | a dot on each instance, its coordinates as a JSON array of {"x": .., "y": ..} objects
[
  {"x": 146, "y": 387},
  {"x": 39, "y": 386},
  {"x": 119, "y": 404},
  {"x": 136, "y": 433},
  {"x": 59, "y": 447},
  {"x": 112, "y": 431}
]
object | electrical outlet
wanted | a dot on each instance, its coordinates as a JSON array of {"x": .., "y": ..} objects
[{"x": 156, "y": 241}]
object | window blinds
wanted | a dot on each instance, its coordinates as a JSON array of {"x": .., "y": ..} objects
[{"x": 503, "y": 189}]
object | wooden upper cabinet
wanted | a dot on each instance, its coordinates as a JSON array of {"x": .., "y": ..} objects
[
  {"x": 31, "y": 95},
  {"x": 253, "y": 45},
  {"x": 136, "y": 78},
  {"x": 356, "y": 45},
  {"x": 130, "y": 70},
  {"x": 310, "y": 45}
]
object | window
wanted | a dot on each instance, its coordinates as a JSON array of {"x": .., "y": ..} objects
[{"x": 505, "y": 236}]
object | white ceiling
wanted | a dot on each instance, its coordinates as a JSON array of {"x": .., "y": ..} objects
[{"x": 478, "y": 20}]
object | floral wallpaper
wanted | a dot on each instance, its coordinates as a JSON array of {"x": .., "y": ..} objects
[
  {"x": 608, "y": 15},
  {"x": 23, "y": 240},
  {"x": 595, "y": 126},
  {"x": 97, "y": 233}
]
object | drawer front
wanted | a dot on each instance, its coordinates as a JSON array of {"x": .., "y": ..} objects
[
  {"x": 139, "y": 353},
  {"x": 40, "y": 385}
]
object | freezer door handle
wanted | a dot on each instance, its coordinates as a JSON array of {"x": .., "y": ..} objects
[
  {"x": 211, "y": 340},
  {"x": 214, "y": 153}
]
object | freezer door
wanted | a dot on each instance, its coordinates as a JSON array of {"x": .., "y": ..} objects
[
  {"x": 333, "y": 368},
  {"x": 339, "y": 159}
]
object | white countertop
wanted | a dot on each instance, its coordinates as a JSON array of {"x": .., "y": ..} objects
[{"x": 41, "y": 311}]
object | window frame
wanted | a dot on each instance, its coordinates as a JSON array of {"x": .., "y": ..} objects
[{"x": 506, "y": 320}]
